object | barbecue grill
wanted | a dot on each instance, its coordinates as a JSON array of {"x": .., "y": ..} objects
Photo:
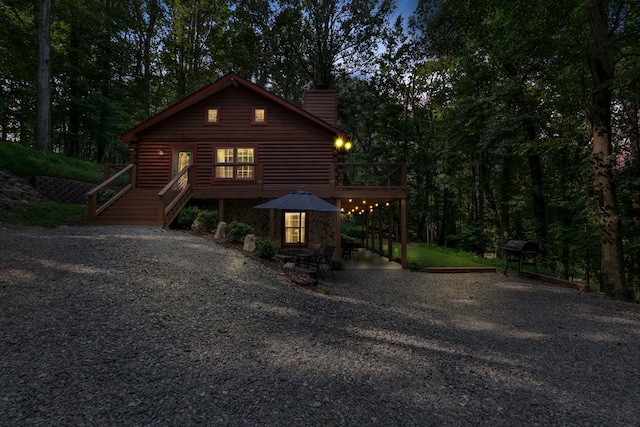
[{"x": 522, "y": 252}]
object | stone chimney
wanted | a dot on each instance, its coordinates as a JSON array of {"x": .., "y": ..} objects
[{"x": 322, "y": 103}]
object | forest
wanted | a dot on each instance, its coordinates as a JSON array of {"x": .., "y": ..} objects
[{"x": 518, "y": 119}]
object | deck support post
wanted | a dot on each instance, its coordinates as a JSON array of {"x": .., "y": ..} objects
[
  {"x": 403, "y": 231},
  {"x": 390, "y": 231},
  {"x": 220, "y": 210}
]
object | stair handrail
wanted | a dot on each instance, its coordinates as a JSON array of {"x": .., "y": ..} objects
[
  {"x": 162, "y": 211},
  {"x": 93, "y": 193}
]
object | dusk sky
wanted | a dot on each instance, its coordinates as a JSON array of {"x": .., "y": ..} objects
[{"x": 406, "y": 7}]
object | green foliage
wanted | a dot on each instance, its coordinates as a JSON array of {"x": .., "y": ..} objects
[
  {"x": 27, "y": 162},
  {"x": 208, "y": 219},
  {"x": 267, "y": 247},
  {"x": 44, "y": 214},
  {"x": 105, "y": 195},
  {"x": 413, "y": 265},
  {"x": 236, "y": 231},
  {"x": 351, "y": 229},
  {"x": 470, "y": 238},
  {"x": 187, "y": 215}
]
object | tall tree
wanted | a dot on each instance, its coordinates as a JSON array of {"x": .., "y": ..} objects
[
  {"x": 18, "y": 60},
  {"x": 336, "y": 36},
  {"x": 43, "y": 115},
  {"x": 602, "y": 18},
  {"x": 191, "y": 54}
]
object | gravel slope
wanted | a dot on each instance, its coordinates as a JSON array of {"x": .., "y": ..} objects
[{"x": 140, "y": 326}]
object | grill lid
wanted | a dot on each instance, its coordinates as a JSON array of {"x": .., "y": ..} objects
[{"x": 523, "y": 247}]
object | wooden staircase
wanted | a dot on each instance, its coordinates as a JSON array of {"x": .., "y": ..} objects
[{"x": 135, "y": 207}]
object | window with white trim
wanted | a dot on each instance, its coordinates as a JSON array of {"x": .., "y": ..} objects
[
  {"x": 213, "y": 116},
  {"x": 295, "y": 231},
  {"x": 235, "y": 163},
  {"x": 259, "y": 116}
]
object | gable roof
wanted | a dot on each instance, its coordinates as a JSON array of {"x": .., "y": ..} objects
[{"x": 223, "y": 83}]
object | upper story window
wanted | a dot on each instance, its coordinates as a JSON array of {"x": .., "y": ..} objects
[
  {"x": 259, "y": 116},
  {"x": 235, "y": 163},
  {"x": 213, "y": 116}
]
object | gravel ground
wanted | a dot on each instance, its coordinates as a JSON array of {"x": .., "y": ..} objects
[{"x": 140, "y": 326}]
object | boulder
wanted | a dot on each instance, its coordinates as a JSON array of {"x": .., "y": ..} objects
[
  {"x": 220, "y": 234},
  {"x": 249, "y": 243}
]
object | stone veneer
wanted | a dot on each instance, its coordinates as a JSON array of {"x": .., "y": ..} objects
[{"x": 322, "y": 225}]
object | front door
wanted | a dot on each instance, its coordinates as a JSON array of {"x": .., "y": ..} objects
[{"x": 182, "y": 157}]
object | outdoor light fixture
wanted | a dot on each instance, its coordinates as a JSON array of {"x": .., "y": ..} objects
[
  {"x": 161, "y": 152},
  {"x": 342, "y": 146}
]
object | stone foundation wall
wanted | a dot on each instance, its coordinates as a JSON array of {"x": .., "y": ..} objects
[{"x": 322, "y": 225}]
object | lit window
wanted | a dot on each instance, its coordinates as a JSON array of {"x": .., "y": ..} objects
[
  {"x": 294, "y": 228},
  {"x": 212, "y": 116},
  {"x": 259, "y": 116},
  {"x": 235, "y": 163}
]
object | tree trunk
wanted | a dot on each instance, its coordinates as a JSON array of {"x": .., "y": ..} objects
[
  {"x": 601, "y": 66},
  {"x": 43, "y": 109},
  {"x": 73, "y": 142}
]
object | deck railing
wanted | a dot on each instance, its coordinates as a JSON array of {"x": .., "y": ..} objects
[
  {"x": 369, "y": 177},
  {"x": 174, "y": 195},
  {"x": 111, "y": 189}
]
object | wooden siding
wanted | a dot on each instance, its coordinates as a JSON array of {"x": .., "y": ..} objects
[{"x": 291, "y": 150}]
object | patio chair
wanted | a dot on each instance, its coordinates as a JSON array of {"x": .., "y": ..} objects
[{"x": 323, "y": 257}]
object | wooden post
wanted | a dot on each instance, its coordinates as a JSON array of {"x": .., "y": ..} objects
[
  {"x": 220, "y": 210},
  {"x": 403, "y": 231},
  {"x": 390, "y": 230},
  {"x": 338, "y": 241},
  {"x": 379, "y": 210}
]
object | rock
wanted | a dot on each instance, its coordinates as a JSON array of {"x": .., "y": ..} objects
[
  {"x": 249, "y": 243},
  {"x": 220, "y": 234},
  {"x": 196, "y": 227}
]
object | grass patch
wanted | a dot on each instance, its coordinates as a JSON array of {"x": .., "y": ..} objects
[
  {"x": 27, "y": 162},
  {"x": 426, "y": 255},
  {"x": 46, "y": 214}
]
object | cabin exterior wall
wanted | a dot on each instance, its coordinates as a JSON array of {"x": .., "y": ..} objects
[{"x": 290, "y": 151}]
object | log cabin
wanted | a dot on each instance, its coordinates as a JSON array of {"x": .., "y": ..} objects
[{"x": 234, "y": 144}]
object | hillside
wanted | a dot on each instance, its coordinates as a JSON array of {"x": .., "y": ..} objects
[{"x": 45, "y": 189}]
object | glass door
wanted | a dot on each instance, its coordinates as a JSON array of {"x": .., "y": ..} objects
[{"x": 182, "y": 157}]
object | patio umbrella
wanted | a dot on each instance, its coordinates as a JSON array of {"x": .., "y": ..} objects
[{"x": 301, "y": 201}]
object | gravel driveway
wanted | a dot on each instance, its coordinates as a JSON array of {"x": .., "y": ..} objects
[{"x": 141, "y": 326}]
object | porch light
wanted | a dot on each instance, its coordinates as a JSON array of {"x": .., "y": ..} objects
[
  {"x": 341, "y": 146},
  {"x": 161, "y": 152}
]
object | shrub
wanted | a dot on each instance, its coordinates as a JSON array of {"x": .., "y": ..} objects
[
  {"x": 186, "y": 217},
  {"x": 413, "y": 266},
  {"x": 208, "y": 219},
  {"x": 236, "y": 231},
  {"x": 267, "y": 247},
  {"x": 105, "y": 195}
]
